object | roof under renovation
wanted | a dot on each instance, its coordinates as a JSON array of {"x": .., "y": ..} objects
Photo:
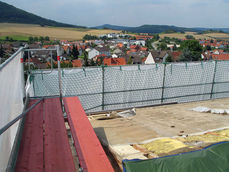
[{"x": 163, "y": 130}]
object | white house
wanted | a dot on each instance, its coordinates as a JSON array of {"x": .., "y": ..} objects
[
  {"x": 149, "y": 59},
  {"x": 92, "y": 53},
  {"x": 138, "y": 42},
  {"x": 114, "y": 56}
]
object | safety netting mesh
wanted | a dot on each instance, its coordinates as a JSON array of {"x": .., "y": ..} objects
[
  {"x": 132, "y": 86},
  {"x": 187, "y": 82},
  {"x": 109, "y": 88},
  {"x": 221, "y": 84}
]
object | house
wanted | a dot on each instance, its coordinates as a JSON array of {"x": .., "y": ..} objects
[
  {"x": 36, "y": 63},
  {"x": 159, "y": 56},
  {"x": 114, "y": 61},
  {"x": 100, "y": 56},
  {"x": 117, "y": 51},
  {"x": 92, "y": 53},
  {"x": 103, "y": 50},
  {"x": 114, "y": 56},
  {"x": 218, "y": 51},
  {"x": 136, "y": 57},
  {"x": 34, "y": 46},
  {"x": 149, "y": 59},
  {"x": 137, "y": 42},
  {"x": 144, "y": 37}
]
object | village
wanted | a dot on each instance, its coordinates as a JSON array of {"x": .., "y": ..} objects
[{"x": 115, "y": 49}]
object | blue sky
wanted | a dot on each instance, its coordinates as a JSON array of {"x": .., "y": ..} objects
[{"x": 187, "y": 13}]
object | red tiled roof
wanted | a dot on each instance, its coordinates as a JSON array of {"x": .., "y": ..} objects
[
  {"x": 114, "y": 61},
  {"x": 77, "y": 63},
  {"x": 47, "y": 46},
  {"x": 144, "y": 59},
  {"x": 133, "y": 50},
  {"x": 66, "y": 47},
  {"x": 143, "y": 48},
  {"x": 143, "y": 37},
  {"x": 133, "y": 46},
  {"x": 220, "y": 56},
  {"x": 120, "y": 45}
]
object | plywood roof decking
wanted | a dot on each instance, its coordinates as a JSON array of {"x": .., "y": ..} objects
[{"x": 154, "y": 122}]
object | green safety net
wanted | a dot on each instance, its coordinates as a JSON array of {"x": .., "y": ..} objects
[{"x": 214, "y": 158}]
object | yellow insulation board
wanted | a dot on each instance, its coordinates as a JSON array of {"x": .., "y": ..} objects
[{"x": 164, "y": 145}]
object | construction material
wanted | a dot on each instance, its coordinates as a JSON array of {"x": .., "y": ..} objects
[
  {"x": 127, "y": 113},
  {"x": 201, "y": 109}
]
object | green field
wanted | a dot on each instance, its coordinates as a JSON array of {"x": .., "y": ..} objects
[{"x": 15, "y": 37}]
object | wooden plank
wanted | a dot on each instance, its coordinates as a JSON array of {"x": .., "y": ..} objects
[
  {"x": 30, "y": 156},
  {"x": 90, "y": 152},
  {"x": 57, "y": 152}
]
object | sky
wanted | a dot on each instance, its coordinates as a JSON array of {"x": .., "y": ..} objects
[{"x": 184, "y": 13}]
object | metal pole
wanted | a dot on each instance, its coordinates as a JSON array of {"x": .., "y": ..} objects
[
  {"x": 22, "y": 73},
  {"x": 213, "y": 81},
  {"x": 163, "y": 84},
  {"x": 29, "y": 60},
  {"x": 102, "y": 87},
  {"x": 59, "y": 73},
  {"x": 51, "y": 61}
]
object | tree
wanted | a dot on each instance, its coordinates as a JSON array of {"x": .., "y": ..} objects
[
  {"x": 85, "y": 58},
  {"x": 35, "y": 39},
  {"x": 149, "y": 43},
  {"x": 75, "y": 52},
  {"x": 174, "y": 47},
  {"x": 47, "y": 38},
  {"x": 169, "y": 59},
  {"x": 130, "y": 60},
  {"x": 208, "y": 47},
  {"x": 163, "y": 46},
  {"x": 189, "y": 37},
  {"x": 41, "y": 38},
  {"x": 186, "y": 55},
  {"x": 7, "y": 38},
  {"x": 92, "y": 63},
  {"x": 31, "y": 40},
  {"x": 90, "y": 37},
  {"x": 191, "y": 48},
  {"x": 156, "y": 37},
  {"x": 2, "y": 52}
]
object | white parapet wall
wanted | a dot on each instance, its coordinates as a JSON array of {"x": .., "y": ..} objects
[{"x": 11, "y": 102}]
